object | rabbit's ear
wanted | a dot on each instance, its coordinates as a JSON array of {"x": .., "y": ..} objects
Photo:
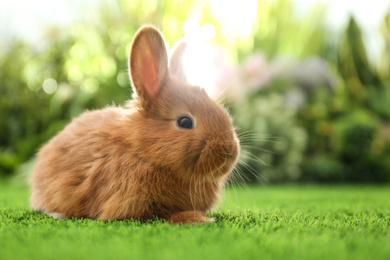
[
  {"x": 176, "y": 63},
  {"x": 148, "y": 63}
]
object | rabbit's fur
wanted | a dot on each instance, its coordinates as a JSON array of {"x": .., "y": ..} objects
[{"x": 136, "y": 162}]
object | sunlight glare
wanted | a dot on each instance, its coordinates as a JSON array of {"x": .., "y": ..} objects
[
  {"x": 236, "y": 18},
  {"x": 199, "y": 65}
]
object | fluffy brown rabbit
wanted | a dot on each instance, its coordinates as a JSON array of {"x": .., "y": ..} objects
[{"x": 167, "y": 154}]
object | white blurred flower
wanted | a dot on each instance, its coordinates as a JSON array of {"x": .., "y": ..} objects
[{"x": 295, "y": 99}]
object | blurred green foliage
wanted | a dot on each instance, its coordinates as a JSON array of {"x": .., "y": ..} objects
[
  {"x": 278, "y": 142},
  {"x": 340, "y": 107},
  {"x": 318, "y": 110},
  {"x": 350, "y": 136},
  {"x": 357, "y": 143}
]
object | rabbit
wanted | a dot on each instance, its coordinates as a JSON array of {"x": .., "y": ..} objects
[{"x": 166, "y": 154}]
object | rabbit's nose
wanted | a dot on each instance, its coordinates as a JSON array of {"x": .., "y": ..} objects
[{"x": 231, "y": 149}]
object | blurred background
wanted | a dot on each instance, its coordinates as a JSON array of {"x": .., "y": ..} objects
[{"x": 307, "y": 82}]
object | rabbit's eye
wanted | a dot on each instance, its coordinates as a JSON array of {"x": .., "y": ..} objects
[{"x": 185, "y": 122}]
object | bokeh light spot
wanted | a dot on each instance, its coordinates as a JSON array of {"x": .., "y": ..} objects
[
  {"x": 49, "y": 85},
  {"x": 123, "y": 79},
  {"x": 75, "y": 73},
  {"x": 90, "y": 86},
  {"x": 108, "y": 67}
]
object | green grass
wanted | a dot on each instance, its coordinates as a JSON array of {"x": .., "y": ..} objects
[{"x": 274, "y": 222}]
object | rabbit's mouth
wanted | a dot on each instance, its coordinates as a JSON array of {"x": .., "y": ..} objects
[{"x": 217, "y": 158}]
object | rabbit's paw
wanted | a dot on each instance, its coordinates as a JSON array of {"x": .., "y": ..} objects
[{"x": 189, "y": 217}]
